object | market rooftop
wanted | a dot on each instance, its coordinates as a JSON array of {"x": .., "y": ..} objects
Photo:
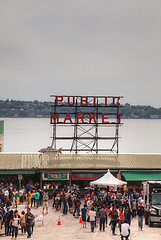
[{"x": 80, "y": 161}]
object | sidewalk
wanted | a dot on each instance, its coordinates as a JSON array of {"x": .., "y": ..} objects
[{"x": 70, "y": 228}]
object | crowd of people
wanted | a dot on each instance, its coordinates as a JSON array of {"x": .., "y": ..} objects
[
  {"x": 10, "y": 218},
  {"x": 99, "y": 206}
]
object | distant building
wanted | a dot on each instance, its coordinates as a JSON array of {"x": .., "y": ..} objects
[
  {"x": 1, "y": 135},
  {"x": 154, "y": 116}
]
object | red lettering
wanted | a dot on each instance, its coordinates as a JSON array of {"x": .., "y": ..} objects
[
  {"x": 105, "y": 101},
  {"x": 59, "y": 99},
  {"x": 114, "y": 101},
  {"x": 52, "y": 118},
  {"x": 119, "y": 117},
  {"x": 84, "y": 101},
  {"x": 71, "y": 104},
  {"x": 104, "y": 117},
  {"x": 67, "y": 118},
  {"x": 95, "y": 104},
  {"x": 80, "y": 116},
  {"x": 92, "y": 117}
]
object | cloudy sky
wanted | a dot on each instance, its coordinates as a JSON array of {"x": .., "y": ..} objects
[{"x": 81, "y": 47}]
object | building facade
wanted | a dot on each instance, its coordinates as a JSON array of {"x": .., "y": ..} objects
[{"x": 79, "y": 169}]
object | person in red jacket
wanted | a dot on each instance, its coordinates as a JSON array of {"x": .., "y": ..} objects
[
  {"x": 121, "y": 217},
  {"x": 92, "y": 195}
]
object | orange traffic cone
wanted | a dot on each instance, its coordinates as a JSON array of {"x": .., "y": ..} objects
[
  {"x": 80, "y": 219},
  {"x": 59, "y": 222}
]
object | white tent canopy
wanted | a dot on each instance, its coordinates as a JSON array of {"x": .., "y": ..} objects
[{"x": 108, "y": 180}]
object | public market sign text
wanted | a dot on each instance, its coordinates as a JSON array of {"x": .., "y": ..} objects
[{"x": 82, "y": 116}]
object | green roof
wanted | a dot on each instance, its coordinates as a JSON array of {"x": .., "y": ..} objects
[
  {"x": 1, "y": 127},
  {"x": 142, "y": 175},
  {"x": 16, "y": 171}
]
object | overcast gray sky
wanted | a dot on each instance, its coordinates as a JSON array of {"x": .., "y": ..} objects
[{"x": 85, "y": 47}]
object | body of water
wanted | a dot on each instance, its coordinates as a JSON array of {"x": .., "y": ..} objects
[{"x": 32, "y": 134}]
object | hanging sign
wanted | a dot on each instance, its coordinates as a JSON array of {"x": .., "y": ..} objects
[
  {"x": 86, "y": 117},
  {"x": 50, "y": 150},
  {"x": 57, "y": 176}
]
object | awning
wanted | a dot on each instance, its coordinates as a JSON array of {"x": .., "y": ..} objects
[
  {"x": 141, "y": 175},
  {"x": 16, "y": 171}
]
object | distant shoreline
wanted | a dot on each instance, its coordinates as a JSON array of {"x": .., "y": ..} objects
[{"x": 36, "y": 109}]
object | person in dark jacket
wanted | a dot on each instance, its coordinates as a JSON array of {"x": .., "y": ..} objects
[
  {"x": 29, "y": 217},
  {"x": 128, "y": 215},
  {"x": 65, "y": 206},
  {"x": 140, "y": 213},
  {"x": 102, "y": 216},
  {"x": 114, "y": 218},
  {"x": 8, "y": 226},
  {"x": 84, "y": 213},
  {"x": 54, "y": 196},
  {"x": 77, "y": 204}
]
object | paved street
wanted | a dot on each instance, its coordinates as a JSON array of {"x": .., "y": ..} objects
[{"x": 72, "y": 229}]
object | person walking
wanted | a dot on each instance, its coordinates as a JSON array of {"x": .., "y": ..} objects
[
  {"x": 54, "y": 196},
  {"x": 15, "y": 194},
  {"x": 45, "y": 202},
  {"x": 84, "y": 212},
  {"x": 28, "y": 199},
  {"x": 134, "y": 207},
  {"x": 40, "y": 197},
  {"x": 29, "y": 217},
  {"x": 70, "y": 202},
  {"x": 33, "y": 198},
  {"x": 128, "y": 215},
  {"x": 8, "y": 204},
  {"x": 57, "y": 202},
  {"x": 121, "y": 217},
  {"x": 125, "y": 228},
  {"x": 37, "y": 196},
  {"x": 23, "y": 222},
  {"x": 9, "y": 223},
  {"x": 92, "y": 215},
  {"x": 21, "y": 192},
  {"x": 106, "y": 215},
  {"x": 102, "y": 216},
  {"x": 6, "y": 223},
  {"x": 77, "y": 204},
  {"x": 114, "y": 218},
  {"x": 140, "y": 213},
  {"x": 15, "y": 224},
  {"x": 65, "y": 206}
]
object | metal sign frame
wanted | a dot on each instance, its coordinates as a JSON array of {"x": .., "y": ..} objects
[{"x": 86, "y": 124}]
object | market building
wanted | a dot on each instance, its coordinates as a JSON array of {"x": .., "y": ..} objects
[{"x": 78, "y": 169}]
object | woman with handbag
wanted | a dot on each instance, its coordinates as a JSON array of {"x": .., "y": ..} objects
[{"x": 23, "y": 222}]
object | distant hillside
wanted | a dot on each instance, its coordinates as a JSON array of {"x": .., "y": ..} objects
[{"x": 36, "y": 109}]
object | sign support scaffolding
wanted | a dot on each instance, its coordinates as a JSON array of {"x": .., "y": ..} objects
[{"x": 86, "y": 115}]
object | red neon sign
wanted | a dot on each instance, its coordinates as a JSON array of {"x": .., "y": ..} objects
[
  {"x": 87, "y": 101},
  {"x": 95, "y": 102}
]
